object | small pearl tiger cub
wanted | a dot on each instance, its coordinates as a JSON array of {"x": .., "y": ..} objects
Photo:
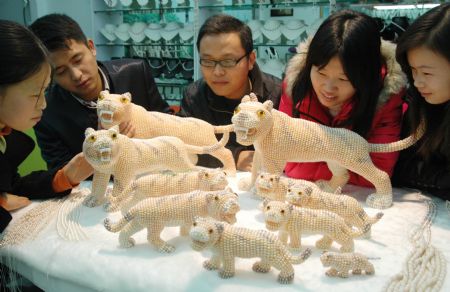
[
  {"x": 341, "y": 263},
  {"x": 228, "y": 242},
  {"x": 309, "y": 196},
  {"x": 293, "y": 221}
]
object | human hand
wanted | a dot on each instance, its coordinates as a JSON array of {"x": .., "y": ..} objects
[
  {"x": 78, "y": 169},
  {"x": 127, "y": 129},
  {"x": 245, "y": 161},
  {"x": 11, "y": 202}
]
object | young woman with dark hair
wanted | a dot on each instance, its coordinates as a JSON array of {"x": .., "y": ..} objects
[
  {"x": 423, "y": 52},
  {"x": 346, "y": 77},
  {"x": 24, "y": 76}
]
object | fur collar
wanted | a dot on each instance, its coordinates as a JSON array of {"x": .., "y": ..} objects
[{"x": 394, "y": 81}]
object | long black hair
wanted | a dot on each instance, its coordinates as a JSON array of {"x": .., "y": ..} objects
[
  {"x": 21, "y": 53},
  {"x": 432, "y": 31},
  {"x": 354, "y": 38}
]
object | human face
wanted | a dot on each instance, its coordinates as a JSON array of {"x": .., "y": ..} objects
[
  {"x": 331, "y": 85},
  {"x": 431, "y": 74},
  {"x": 76, "y": 70},
  {"x": 232, "y": 83},
  {"x": 22, "y": 104}
]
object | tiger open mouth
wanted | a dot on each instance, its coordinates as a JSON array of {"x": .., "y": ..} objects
[
  {"x": 106, "y": 116},
  {"x": 198, "y": 245},
  {"x": 272, "y": 226},
  {"x": 244, "y": 132},
  {"x": 105, "y": 154}
]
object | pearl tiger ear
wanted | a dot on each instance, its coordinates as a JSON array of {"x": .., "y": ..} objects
[{"x": 88, "y": 131}]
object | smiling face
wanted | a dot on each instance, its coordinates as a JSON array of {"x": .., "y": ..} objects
[
  {"x": 76, "y": 69},
  {"x": 331, "y": 85},
  {"x": 431, "y": 74},
  {"x": 22, "y": 104},
  {"x": 231, "y": 83}
]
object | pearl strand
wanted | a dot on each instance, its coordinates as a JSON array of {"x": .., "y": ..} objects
[
  {"x": 425, "y": 266},
  {"x": 31, "y": 224},
  {"x": 67, "y": 224}
]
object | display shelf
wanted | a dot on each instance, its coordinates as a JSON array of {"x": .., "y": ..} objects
[
  {"x": 143, "y": 45},
  {"x": 264, "y": 5},
  {"x": 143, "y": 10}
]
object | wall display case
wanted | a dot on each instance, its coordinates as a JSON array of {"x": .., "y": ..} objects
[{"x": 164, "y": 31}]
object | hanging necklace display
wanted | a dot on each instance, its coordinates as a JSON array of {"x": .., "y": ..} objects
[
  {"x": 126, "y": 3},
  {"x": 153, "y": 32},
  {"x": 170, "y": 31},
  {"x": 111, "y": 3},
  {"x": 255, "y": 26},
  {"x": 183, "y": 3},
  {"x": 166, "y": 3},
  {"x": 271, "y": 30},
  {"x": 274, "y": 67},
  {"x": 292, "y": 31},
  {"x": 108, "y": 32},
  {"x": 142, "y": 3},
  {"x": 187, "y": 68},
  {"x": 137, "y": 31},
  {"x": 187, "y": 33},
  {"x": 122, "y": 32}
]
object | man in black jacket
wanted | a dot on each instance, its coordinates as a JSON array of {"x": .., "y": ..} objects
[
  {"x": 229, "y": 69},
  {"x": 78, "y": 79}
]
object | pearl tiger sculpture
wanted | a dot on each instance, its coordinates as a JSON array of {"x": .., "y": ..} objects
[
  {"x": 176, "y": 210},
  {"x": 111, "y": 153},
  {"x": 293, "y": 221},
  {"x": 162, "y": 184},
  {"x": 278, "y": 139},
  {"x": 310, "y": 196},
  {"x": 341, "y": 263},
  {"x": 228, "y": 242},
  {"x": 113, "y": 109},
  {"x": 274, "y": 187}
]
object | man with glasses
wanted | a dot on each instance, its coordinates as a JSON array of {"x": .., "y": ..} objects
[{"x": 229, "y": 69}]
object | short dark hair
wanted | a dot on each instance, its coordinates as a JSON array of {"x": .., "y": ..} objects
[
  {"x": 354, "y": 38},
  {"x": 432, "y": 31},
  {"x": 55, "y": 30},
  {"x": 21, "y": 53},
  {"x": 223, "y": 23}
]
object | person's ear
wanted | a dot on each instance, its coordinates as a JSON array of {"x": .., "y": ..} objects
[
  {"x": 251, "y": 60},
  {"x": 91, "y": 47}
]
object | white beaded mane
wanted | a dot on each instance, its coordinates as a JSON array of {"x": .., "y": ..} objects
[
  {"x": 112, "y": 109},
  {"x": 278, "y": 139}
]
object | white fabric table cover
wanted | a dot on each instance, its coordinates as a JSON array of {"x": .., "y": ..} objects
[{"x": 98, "y": 264}]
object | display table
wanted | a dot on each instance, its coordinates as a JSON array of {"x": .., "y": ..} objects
[{"x": 98, "y": 264}]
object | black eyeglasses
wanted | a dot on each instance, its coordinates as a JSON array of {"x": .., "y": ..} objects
[{"x": 227, "y": 63}]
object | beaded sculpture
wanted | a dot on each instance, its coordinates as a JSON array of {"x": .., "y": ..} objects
[
  {"x": 162, "y": 184},
  {"x": 341, "y": 263},
  {"x": 274, "y": 187},
  {"x": 112, "y": 109},
  {"x": 111, "y": 153},
  {"x": 176, "y": 210},
  {"x": 228, "y": 242},
  {"x": 293, "y": 221},
  {"x": 278, "y": 139},
  {"x": 312, "y": 197}
]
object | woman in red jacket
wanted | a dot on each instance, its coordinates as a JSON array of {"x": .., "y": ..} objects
[{"x": 346, "y": 77}]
